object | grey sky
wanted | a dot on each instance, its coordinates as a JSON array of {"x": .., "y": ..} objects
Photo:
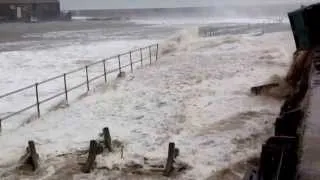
[{"x": 112, "y": 4}]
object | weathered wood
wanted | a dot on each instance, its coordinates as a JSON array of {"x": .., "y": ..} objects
[
  {"x": 257, "y": 90},
  {"x": 34, "y": 157},
  {"x": 278, "y": 159},
  {"x": 91, "y": 157},
  {"x": 107, "y": 139},
  {"x": 171, "y": 155},
  {"x": 100, "y": 148},
  {"x": 301, "y": 61},
  {"x": 176, "y": 152}
]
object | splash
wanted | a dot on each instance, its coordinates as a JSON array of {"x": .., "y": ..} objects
[{"x": 179, "y": 41}]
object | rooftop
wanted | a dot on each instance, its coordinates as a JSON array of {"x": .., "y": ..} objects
[{"x": 27, "y": 1}]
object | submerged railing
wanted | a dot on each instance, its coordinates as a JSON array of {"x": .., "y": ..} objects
[{"x": 117, "y": 63}]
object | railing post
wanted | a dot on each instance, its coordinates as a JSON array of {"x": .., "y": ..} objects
[
  {"x": 157, "y": 52},
  {"x": 65, "y": 87},
  {"x": 88, "y": 88},
  {"x": 104, "y": 71},
  {"x": 150, "y": 54},
  {"x": 37, "y": 98},
  {"x": 119, "y": 63},
  {"x": 131, "y": 62},
  {"x": 141, "y": 58}
]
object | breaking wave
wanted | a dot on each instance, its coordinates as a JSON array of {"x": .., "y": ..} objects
[
  {"x": 179, "y": 40},
  {"x": 88, "y": 18}
]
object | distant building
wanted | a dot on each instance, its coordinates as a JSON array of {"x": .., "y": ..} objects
[{"x": 29, "y": 10}]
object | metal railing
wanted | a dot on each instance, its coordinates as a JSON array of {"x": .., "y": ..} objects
[{"x": 152, "y": 54}]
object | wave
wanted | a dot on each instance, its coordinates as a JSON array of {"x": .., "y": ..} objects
[
  {"x": 179, "y": 40},
  {"x": 202, "y": 21},
  {"x": 90, "y": 18},
  {"x": 183, "y": 38}
]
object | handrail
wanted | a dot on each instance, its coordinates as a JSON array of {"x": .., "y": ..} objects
[
  {"x": 50, "y": 79},
  {"x": 18, "y": 112},
  {"x": 64, "y": 76},
  {"x": 16, "y": 91}
]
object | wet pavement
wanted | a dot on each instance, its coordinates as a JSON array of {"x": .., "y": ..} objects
[{"x": 310, "y": 161}]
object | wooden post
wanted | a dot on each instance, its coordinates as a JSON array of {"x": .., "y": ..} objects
[
  {"x": 257, "y": 90},
  {"x": 37, "y": 99},
  {"x": 119, "y": 64},
  {"x": 104, "y": 71},
  {"x": 157, "y": 52},
  {"x": 150, "y": 54},
  {"x": 176, "y": 152},
  {"x": 88, "y": 166},
  {"x": 87, "y": 75},
  {"x": 65, "y": 86},
  {"x": 33, "y": 155},
  {"x": 131, "y": 62},
  {"x": 141, "y": 58},
  {"x": 107, "y": 139},
  {"x": 0, "y": 125},
  {"x": 100, "y": 149},
  {"x": 171, "y": 155}
]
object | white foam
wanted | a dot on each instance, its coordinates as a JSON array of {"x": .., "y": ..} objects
[
  {"x": 81, "y": 17},
  {"x": 179, "y": 40},
  {"x": 24, "y": 68},
  {"x": 195, "y": 96},
  {"x": 204, "y": 21}
]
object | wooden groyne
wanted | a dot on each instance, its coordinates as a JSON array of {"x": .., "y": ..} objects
[{"x": 293, "y": 152}]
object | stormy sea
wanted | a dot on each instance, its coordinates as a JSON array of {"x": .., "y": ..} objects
[{"x": 196, "y": 94}]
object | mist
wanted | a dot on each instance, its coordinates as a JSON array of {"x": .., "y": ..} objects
[{"x": 132, "y": 4}]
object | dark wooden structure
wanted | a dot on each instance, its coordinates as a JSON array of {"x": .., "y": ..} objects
[
  {"x": 29, "y": 10},
  {"x": 305, "y": 26},
  {"x": 293, "y": 152},
  {"x": 30, "y": 160}
]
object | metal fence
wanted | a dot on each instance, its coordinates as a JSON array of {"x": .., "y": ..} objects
[{"x": 117, "y": 63}]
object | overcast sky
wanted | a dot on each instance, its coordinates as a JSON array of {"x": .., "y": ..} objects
[{"x": 115, "y": 4}]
